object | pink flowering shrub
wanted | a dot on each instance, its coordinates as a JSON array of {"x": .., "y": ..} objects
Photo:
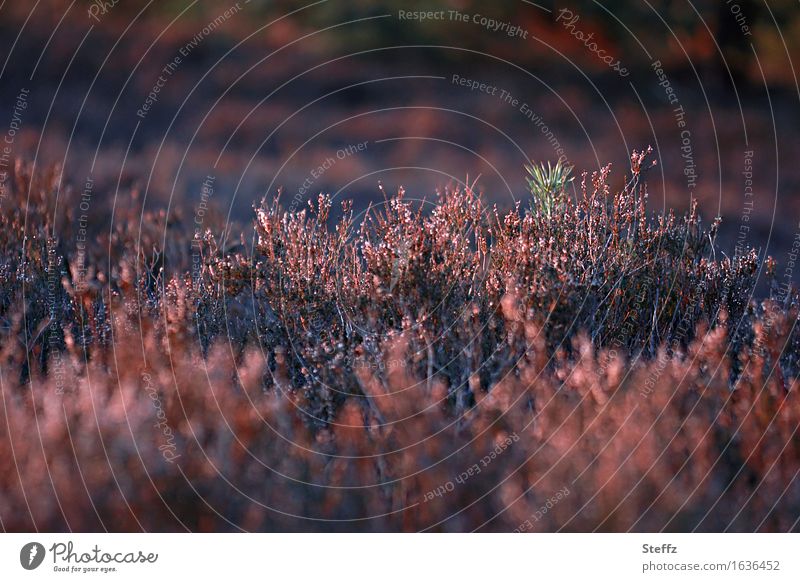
[{"x": 592, "y": 367}]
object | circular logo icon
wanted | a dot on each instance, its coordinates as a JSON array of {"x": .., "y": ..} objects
[{"x": 31, "y": 555}]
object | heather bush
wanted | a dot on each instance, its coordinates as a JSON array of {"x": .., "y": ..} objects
[{"x": 578, "y": 366}]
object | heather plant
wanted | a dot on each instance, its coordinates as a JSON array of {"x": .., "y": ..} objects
[
  {"x": 603, "y": 265},
  {"x": 687, "y": 454},
  {"x": 343, "y": 376}
]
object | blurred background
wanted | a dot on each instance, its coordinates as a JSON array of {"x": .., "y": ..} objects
[{"x": 148, "y": 101}]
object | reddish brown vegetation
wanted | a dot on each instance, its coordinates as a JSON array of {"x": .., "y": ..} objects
[{"x": 448, "y": 370}]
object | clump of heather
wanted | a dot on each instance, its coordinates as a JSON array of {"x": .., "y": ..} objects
[
  {"x": 599, "y": 265},
  {"x": 449, "y": 368}
]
